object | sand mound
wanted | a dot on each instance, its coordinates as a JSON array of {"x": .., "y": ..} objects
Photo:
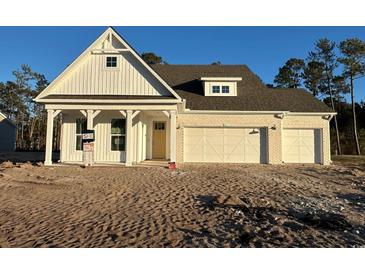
[
  {"x": 229, "y": 200},
  {"x": 7, "y": 164},
  {"x": 357, "y": 172},
  {"x": 25, "y": 165}
]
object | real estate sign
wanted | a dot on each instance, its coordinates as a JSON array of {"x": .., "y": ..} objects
[{"x": 88, "y": 147}]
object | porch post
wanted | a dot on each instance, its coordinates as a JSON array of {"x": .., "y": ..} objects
[
  {"x": 128, "y": 139},
  {"x": 90, "y": 119},
  {"x": 49, "y": 138},
  {"x": 173, "y": 136}
]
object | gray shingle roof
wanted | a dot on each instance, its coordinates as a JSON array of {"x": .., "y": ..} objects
[{"x": 252, "y": 94}]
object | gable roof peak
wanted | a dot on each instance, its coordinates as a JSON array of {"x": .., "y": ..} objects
[{"x": 109, "y": 39}]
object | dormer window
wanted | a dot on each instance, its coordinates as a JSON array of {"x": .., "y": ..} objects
[
  {"x": 220, "y": 86},
  {"x": 225, "y": 89},
  {"x": 216, "y": 89},
  {"x": 111, "y": 62}
]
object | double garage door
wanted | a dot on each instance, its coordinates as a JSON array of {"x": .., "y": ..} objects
[
  {"x": 225, "y": 145},
  {"x": 249, "y": 145},
  {"x": 302, "y": 146}
]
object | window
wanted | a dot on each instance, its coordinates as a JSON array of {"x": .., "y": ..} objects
[
  {"x": 118, "y": 134},
  {"x": 111, "y": 62},
  {"x": 159, "y": 126},
  {"x": 81, "y": 126},
  {"x": 220, "y": 86},
  {"x": 216, "y": 89},
  {"x": 225, "y": 89}
]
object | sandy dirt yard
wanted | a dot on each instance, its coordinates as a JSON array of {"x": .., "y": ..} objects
[{"x": 194, "y": 206}]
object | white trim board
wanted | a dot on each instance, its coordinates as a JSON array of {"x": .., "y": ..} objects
[
  {"x": 221, "y": 79},
  {"x": 109, "y": 107},
  {"x": 110, "y": 101},
  {"x": 254, "y": 112}
]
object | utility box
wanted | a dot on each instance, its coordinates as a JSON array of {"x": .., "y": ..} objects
[{"x": 88, "y": 147}]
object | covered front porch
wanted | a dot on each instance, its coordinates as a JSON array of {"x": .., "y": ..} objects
[{"x": 128, "y": 134}]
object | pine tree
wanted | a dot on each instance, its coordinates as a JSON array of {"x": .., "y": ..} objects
[
  {"x": 353, "y": 60},
  {"x": 325, "y": 60},
  {"x": 289, "y": 75}
]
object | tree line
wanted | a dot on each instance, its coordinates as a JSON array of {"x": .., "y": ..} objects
[
  {"x": 16, "y": 102},
  {"x": 329, "y": 72}
]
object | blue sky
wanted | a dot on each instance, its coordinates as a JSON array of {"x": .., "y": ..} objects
[{"x": 49, "y": 50}]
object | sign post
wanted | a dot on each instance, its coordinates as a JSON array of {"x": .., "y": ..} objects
[{"x": 88, "y": 147}]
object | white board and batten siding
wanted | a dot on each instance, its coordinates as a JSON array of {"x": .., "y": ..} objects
[
  {"x": 102, "y": 127},
  {"x": 91, "y": 77},
  {"x": 102, "y": 148},
  {"x": 68, "y": 152},
  {"x": 302, "y": 146},
  {"x": 225, "y": 145}
]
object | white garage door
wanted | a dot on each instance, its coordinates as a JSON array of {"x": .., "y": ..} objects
[
  {"x": 225, "y": 145},
  {"x": 301, "y": 146}
]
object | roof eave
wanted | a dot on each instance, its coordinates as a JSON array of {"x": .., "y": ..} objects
[
  {"x": 109, "y": 101},
  {"x": 269, "y": 112}
]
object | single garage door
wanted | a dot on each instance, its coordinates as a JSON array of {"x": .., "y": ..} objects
[
  {"x": 225, "y": 145},
  {"x": 302, "y": 146}
]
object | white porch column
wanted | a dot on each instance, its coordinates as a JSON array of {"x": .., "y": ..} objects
[
  {"x": 49, "y": 138},
  {"x": 173, "y": 136},
  {"x": 90, "y": 119},
  {"x": 128, "y": 138}
]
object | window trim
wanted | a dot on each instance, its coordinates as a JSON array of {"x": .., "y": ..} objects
[
  {"x": 106, "y": 61},
  {"x": 117, "y": 135},
  {"x": 208, "y": 89}
]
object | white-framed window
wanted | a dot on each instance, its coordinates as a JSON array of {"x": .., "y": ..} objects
[
  {"x": 225, "y": 89},
  {"x": 216, "y": 89},
  {"x": 117, "y": 134},
  {"x": 111, "y": 62},
  {"x": 220, "y": 88},
  {"x": 81, "y": 125}
]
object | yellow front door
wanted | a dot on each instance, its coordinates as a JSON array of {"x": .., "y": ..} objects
[{"x": 159, "y": 140}]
